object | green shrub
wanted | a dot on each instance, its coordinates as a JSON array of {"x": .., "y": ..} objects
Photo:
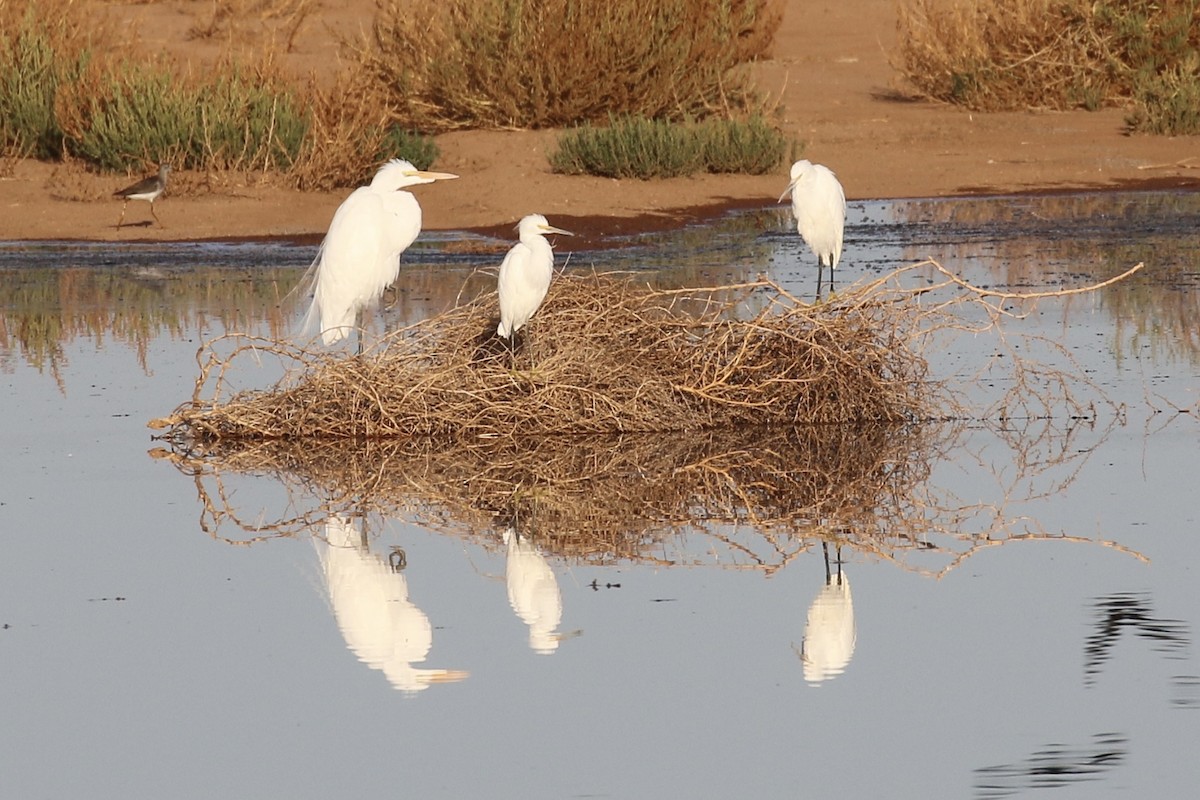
[
  {"x": 544, "y": 63},
  {"x": 415, "y": 148},
  {"x": 248, "y": 123},
  {"x": 125, "y": 115},
  {"x": 31, "y": 69},
  {"x": 752, "y": 147},
  {"x": 1168, "y": 103},
  {"x": 636, "y": 147}
]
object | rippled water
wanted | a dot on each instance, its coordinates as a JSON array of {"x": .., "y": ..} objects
[{"x": 1019, "y": 613}]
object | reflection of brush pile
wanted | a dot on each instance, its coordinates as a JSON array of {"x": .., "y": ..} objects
[
  {"x": 602, "y": 356},
  {"x": 602, "y": 498}
]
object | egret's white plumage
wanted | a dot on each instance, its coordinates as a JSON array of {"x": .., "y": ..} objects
[
  {"x": 533, "y": 592},
  {"x": 525, "y": 274},
  {"x": 830, "y": 635},
  {"x": 360, "y": 256},
  {"x": 819, "y": 205},
  {"x": 370, "y": 602}
]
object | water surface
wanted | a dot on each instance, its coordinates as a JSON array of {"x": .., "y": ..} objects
[{"x": 1019, "y": 613}]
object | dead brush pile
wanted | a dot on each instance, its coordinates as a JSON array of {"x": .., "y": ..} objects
[{"x": 603, "y": 355}]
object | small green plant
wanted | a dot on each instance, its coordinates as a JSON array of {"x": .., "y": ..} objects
[
  {"x": 751, "y": 147},
  {"x": 636, "y": 147},
  {"x": 631, "y": 147},
  {"x": 415, "y": 148}
]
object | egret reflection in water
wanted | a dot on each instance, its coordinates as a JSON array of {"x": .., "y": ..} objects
[
  {"x": 830, "y": 635},
  {"x": 369, "y": 596},
  {"x": 533, "y": 592}
]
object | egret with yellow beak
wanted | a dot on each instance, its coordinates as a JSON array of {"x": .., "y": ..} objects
[{"x": 360, "y": 256}]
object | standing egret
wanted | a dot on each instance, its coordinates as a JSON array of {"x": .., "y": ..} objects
[
  {"x": 370, "y": 602},
  {"x": 819, "y": 205},
  {"x": 830, "y": 635},
  {"x": 360, "y": 256},
  {"x": 149, "y": 189},
  {"x": 525, "y": 274},
  {"x": 533, "y": 592}
]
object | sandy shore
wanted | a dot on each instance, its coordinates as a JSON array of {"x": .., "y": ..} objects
[{"x": 836, "y": 92}]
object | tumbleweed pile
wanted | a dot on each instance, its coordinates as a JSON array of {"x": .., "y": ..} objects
[{"x": 602, "y": 355}]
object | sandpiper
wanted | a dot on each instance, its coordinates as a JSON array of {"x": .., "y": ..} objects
[{"x": 145, "y": 189}]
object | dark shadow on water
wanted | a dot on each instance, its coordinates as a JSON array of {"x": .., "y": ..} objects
[
  {"x": 1053, "y": 766},
  {"x": 1132, "y": 612}
]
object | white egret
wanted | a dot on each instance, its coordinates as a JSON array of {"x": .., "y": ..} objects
[
  {"x": 830, "y": 635},
  {"x": 819, "y": 205},
  {"x": 370, "y": 602},
  {"x": 149, "y": 189},
  {"x": 360, "y": 256},
  {"x": 525, "y": 274},
  {"x": 533, "y": 592}
]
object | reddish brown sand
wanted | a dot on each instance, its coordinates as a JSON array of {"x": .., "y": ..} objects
[{"x": 836, "y": 91}]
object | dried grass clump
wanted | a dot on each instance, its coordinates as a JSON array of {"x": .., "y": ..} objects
[
  {"x": 517, "y": 63},
  {"x": 993, "y": 55},
  {"x": 351, "y": 132},
  {"x": 603, "y": 355}
]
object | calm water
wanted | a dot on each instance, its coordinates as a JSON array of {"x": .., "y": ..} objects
[{"x": 1023, "y": 610}]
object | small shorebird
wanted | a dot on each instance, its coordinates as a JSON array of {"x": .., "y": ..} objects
[{"x": 145, "y": 189}]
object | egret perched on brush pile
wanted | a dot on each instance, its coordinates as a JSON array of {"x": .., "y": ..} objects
[
  {"x": 819, "y": 205},
  {"x": 525, "y": 274},
  {"x": 360, "y": 256}
]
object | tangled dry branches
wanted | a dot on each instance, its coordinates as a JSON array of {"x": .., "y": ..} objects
[
  {"x": 565, "y": 438},
  {"x": 603, "y": 355}
]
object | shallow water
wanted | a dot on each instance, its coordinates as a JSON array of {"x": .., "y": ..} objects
[{"x": 1021, "y": 615}]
